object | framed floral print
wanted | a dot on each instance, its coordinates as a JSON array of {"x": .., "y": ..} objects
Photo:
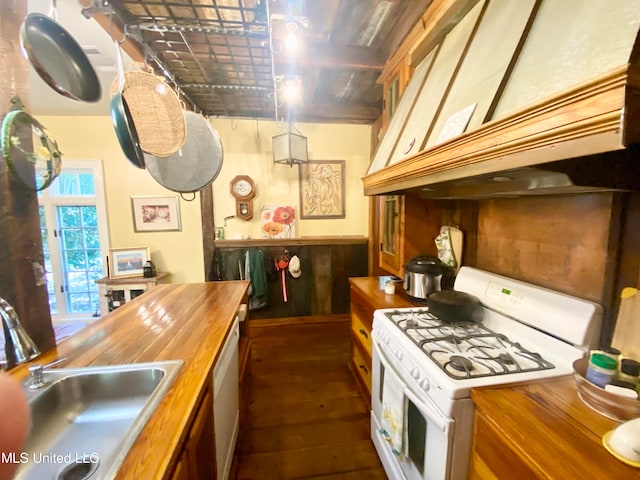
[{"x": 278, "y": 222}]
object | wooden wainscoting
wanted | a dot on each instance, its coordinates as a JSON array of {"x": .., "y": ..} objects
[
  {"x": 306, "y": 418},
  {"x": 326, "y": 265}
]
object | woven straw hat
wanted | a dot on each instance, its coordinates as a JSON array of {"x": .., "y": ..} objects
[
  {"x": 294, "y": 267},
  {"x": 156, "y": 112}
]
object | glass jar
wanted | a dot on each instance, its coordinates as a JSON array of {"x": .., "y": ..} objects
[
  {"x": 602, "y": 369},
  {"x": 148, "y": 269},
  {"x": 611, "y": 352},
  {"x": 389, "y": 287},
  {"x": 629, "y": 371}
]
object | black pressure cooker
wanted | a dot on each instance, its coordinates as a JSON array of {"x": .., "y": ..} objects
[{"x": 424, "y": 274}]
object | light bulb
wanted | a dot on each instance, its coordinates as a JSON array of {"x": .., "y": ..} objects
[
  {"x": 291, "y": 43},
  {"x": 291, "y": 91}
]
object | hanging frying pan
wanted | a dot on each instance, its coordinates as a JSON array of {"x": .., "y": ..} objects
[
  {"x": 122, "y": 121},
  {"x": 32, "y": 155},
  {"x": 58, "y": 58},
  {"x": 196, "y": 164}
]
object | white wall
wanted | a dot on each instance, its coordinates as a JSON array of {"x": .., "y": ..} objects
[{"x": 248, "y": 151}]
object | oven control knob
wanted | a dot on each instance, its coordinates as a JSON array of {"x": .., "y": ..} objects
[
  {"x": 425, "y": 385},
  {"x": 399, "y": 354},
  {"x": 385, "y": 338},
  {"x": 415, "y": 373}
]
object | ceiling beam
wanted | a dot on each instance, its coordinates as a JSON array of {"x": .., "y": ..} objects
[
  {"x": 336, "y": 113},
  {"x": 334, "y": 57}
]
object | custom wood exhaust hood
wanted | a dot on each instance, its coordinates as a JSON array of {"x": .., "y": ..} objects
[{"x": 540, "y": 97}]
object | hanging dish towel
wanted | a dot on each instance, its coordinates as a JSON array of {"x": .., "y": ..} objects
[
  {"x": 392, "y": 422},
  {"x": 449, "y": 244},
  {"x": 258, "y": 277}
]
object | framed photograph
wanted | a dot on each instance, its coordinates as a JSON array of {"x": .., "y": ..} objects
[
  {"x": 322, "y": 189},
  {"x": 127, "y": 262},
  {"x": 156, "y": 214}
]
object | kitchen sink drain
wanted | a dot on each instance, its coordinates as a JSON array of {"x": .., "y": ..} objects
[{"x": 79, "y": 470}]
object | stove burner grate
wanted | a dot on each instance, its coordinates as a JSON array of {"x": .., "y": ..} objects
[{"x": 468, "y": 350}]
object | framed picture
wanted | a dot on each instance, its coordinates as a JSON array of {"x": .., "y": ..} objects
[
  {"x": 156, "y": 214},
  {"x": 127, "y": 262},
  {"x": 278, "y": 221},
  {"x": 322, "y": 189}
]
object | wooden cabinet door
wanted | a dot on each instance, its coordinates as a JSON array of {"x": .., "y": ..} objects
[
  {"x": 202, "y": 454},
  {"x": 362, "y": 366},
  {"x": 391, "y": 233},
  {"x": 181, "y": 471},
  {"x": 198, "y": 458}
]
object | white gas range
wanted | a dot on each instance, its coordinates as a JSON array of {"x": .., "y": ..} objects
[{"x": 424, "y": 367}]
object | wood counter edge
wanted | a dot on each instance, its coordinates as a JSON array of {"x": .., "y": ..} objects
[{"x": 155, "y": 451}]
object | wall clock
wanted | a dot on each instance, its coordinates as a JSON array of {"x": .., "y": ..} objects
[{"x": 243, "y": 189}]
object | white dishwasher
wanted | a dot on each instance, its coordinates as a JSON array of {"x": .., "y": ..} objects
[{"x": 226, "y": 402}]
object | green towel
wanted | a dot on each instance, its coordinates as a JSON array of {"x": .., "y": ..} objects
[{"x": 258, "y": 278}]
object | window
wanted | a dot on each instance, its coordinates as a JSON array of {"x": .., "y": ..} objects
[
  {"x": 392, "y": 97},
  {"x": 74, "y": 236}
]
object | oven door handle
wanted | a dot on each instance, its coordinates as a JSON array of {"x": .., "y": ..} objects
[{"x": 425, "y": 408}]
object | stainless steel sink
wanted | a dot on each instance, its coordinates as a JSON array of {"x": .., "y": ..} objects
[{"x": 84, "y": 420}]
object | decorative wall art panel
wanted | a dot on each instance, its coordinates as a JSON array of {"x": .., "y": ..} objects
[{"x": 322, "y": 189}]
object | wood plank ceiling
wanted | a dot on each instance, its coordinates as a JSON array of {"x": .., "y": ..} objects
[{"x": 227, "y": 59}]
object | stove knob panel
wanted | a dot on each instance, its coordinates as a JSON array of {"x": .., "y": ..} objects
[
  {"x": 399, "y": 354},
  {"x": 425, "y": 385},
  {"x": 415, "y": 373}
]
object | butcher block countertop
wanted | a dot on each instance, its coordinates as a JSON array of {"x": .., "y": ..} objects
[
  {"x": 542, "y": 430},
  {"x": 188, "y": 322},
  {"x": 372, "y": 289}
]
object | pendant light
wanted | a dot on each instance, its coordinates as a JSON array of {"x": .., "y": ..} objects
[{"x": 290, "y": 147}]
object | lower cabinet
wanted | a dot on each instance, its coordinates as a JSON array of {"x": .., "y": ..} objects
[
  {"x": 197, "y": 460},
  {"x": 115, "y": 292},
  {"x": 361, "y": 319},
  {"x": 491, "y": 456},
  {"x": 362, "y": 366},
  {"x": 366, "y": 295}
]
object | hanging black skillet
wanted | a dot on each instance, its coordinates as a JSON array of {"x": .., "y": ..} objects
[
  {"x": 122, "y": 121},
  {"x": 58, "y": 58}
]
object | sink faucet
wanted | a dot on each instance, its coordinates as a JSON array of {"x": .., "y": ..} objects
[{"x": 22, "y": 346}]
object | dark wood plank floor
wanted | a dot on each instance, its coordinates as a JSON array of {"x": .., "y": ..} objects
[{"x": 306, "y": 418}]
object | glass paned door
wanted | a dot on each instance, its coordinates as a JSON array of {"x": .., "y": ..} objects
[
  {"x": 81, "y": 257},
  {"x": 74, "y": 236},
  {"x": 53, "y": 306}
]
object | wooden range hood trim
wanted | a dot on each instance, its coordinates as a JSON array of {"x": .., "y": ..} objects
[{"x": 590, "y": 109}]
